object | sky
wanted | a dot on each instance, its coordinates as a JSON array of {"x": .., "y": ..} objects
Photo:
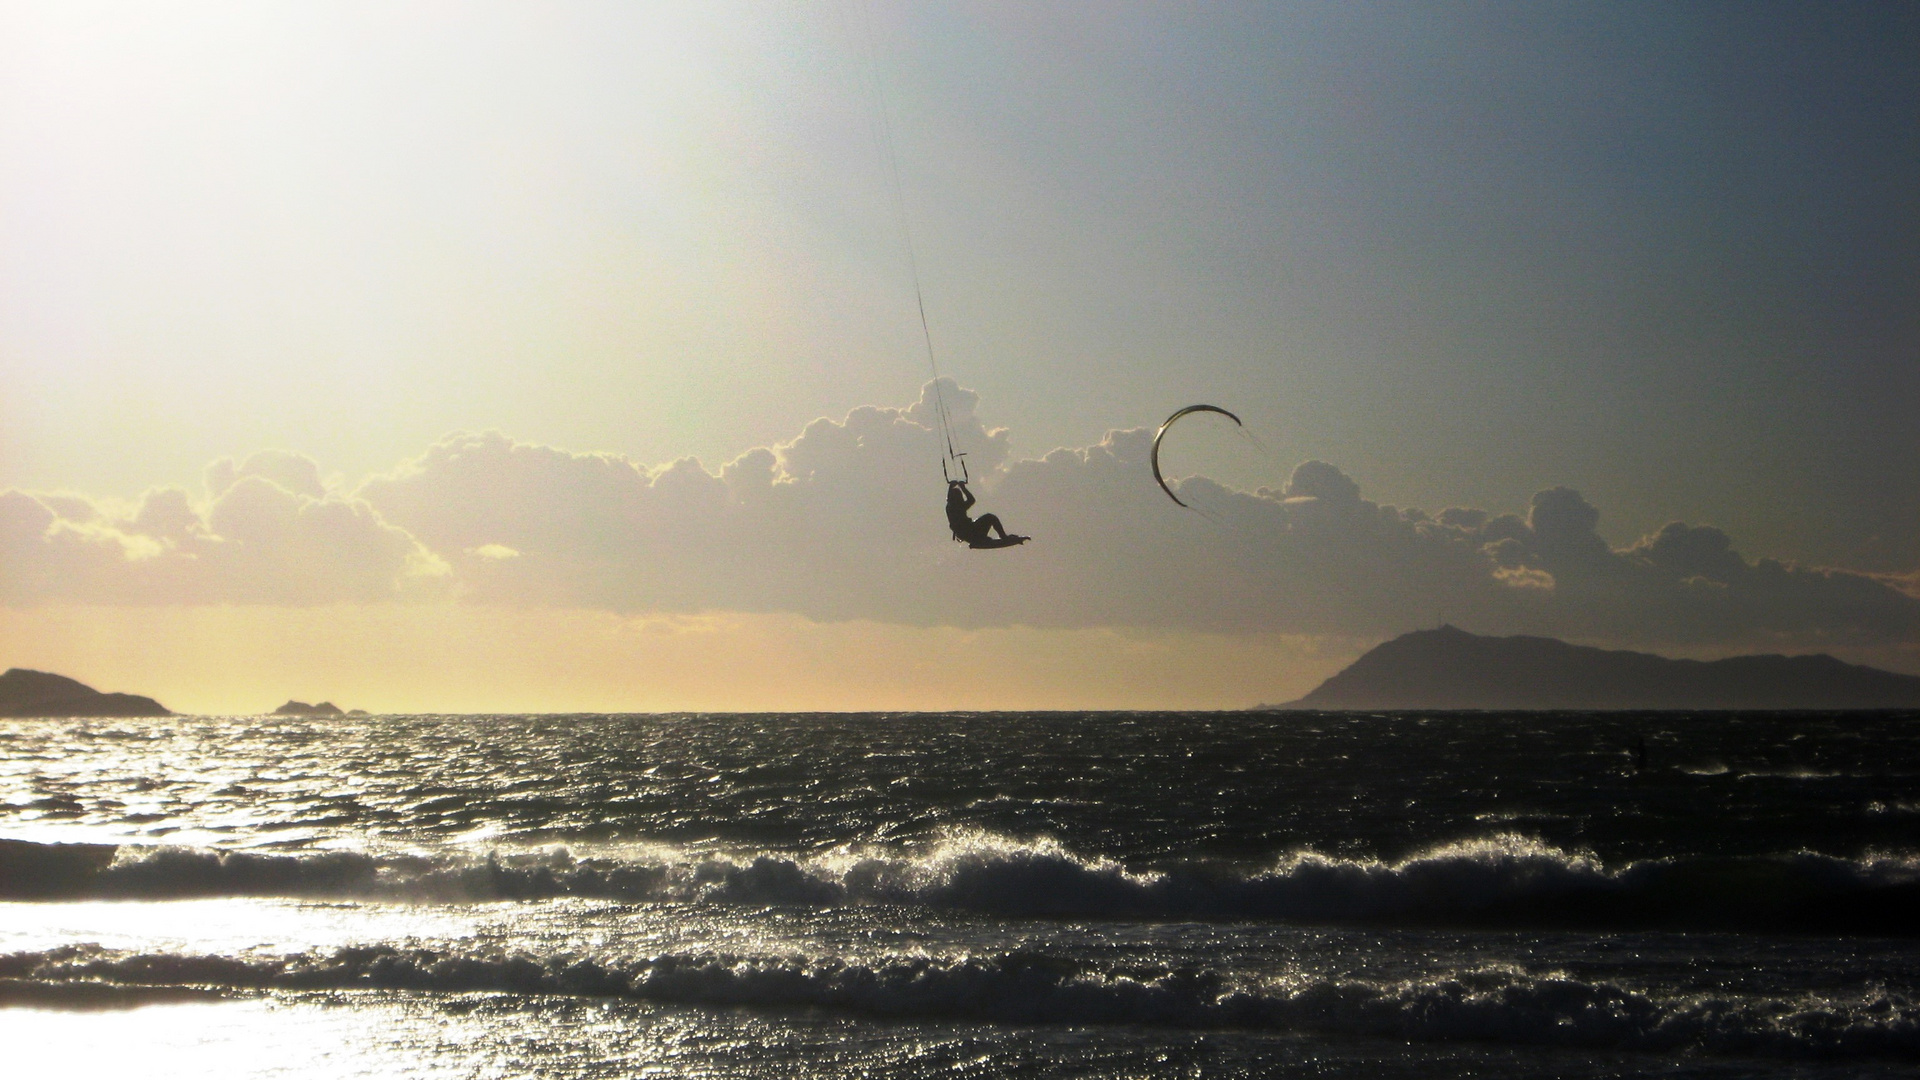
[{"x": 464, "y": 356}]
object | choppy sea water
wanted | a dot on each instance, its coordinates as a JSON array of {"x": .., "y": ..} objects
[{"x": 963, "y": 895}]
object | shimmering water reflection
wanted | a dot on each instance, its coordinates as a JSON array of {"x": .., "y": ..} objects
[{"x": 919, "y": 896}]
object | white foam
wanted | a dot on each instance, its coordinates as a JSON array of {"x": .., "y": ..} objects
[{"x": 1496, "y": 1003}]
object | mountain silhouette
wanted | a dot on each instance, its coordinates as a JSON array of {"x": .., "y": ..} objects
[
  {"x": 38, "y": 693},
  {"x": 1449, "y": 668}
]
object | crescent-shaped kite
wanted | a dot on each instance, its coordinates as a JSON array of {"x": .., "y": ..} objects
[{"x": 1155, "y": 456}]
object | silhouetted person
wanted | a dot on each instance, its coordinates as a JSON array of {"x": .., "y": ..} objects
[
  {"x": 1640, "y": 754},
  {"x": 975, "y": 533}
]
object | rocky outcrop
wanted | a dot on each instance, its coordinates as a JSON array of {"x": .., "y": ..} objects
[
  {"x": 39, "y": 693},
  {"x": 301, "y": 708}
]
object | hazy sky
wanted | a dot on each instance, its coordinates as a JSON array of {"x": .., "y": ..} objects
[{"x": 1665, "y": 256}]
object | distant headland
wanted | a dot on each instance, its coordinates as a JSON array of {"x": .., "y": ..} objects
[
  {"x": 1449, "y": 668},
  {"x": 38, "y": 693},
  {"x": 26, "y": 693}
]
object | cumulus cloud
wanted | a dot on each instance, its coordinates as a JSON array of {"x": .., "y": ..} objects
[
  {"x": 844, "y": 521},
  {"x": 255, "y": 540},
  {"x": 294, "y": 472}
]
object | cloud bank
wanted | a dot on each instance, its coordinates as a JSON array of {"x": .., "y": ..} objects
[
  {"x": 268, "y": 533},
  {"x": 844, "y": 522}
]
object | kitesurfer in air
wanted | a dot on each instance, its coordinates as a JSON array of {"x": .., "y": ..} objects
[{"x": 975, "y": 532}]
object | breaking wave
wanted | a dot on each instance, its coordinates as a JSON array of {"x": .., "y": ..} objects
[
  {"x": 1497, "y": 881},
  {"x": 1495, "y": 1003}
]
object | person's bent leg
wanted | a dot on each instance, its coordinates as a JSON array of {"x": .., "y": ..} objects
[{"x": 989, "y": 524}]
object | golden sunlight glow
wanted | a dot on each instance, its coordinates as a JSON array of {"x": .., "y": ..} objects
[{"x": 465, "y": 658}]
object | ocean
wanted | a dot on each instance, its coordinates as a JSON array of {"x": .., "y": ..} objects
[{"x": 959, "y": 895}]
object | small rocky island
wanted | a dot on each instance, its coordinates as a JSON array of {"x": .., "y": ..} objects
[
  {"x": 301, "y": 708},
  {"x": 1450, "y": 668},
  {"x": 39, "y": 693}
]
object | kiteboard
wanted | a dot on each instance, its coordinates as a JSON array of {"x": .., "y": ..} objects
[{"x": 1005, "y": 541}]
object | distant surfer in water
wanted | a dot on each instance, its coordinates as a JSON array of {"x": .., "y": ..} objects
[{"x": 975, "y": 533}]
